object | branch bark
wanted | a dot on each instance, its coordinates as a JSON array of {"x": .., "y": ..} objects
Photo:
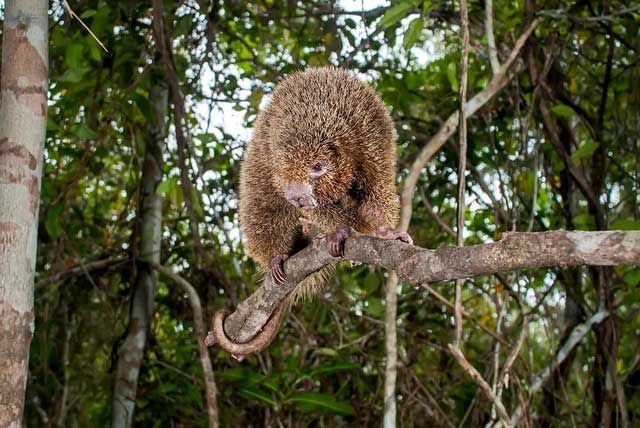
[{"x": 417, "y": 265}]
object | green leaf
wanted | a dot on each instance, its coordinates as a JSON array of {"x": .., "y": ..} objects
[
  {"x": 371, "y": 282},
  {"x": 375, "y": 306},
  {"x": 482, "y": 82},
  {"x": 326, "y": 352},
  {"x": 74, "y": 56},
  {"x": 394, "y": 14},
  {"x": 632, "y": 277},
  {"x": 52, "y": 221},
  {"x": 585, "y": 150},
  {"x": 172, "y": 189},
  {"x": 624, "y": 224},
  {"x": 452, "y": 76},
  {"x": 88, "y": 13},
  {"x": 562, "y": 110},
  {"x": 73, "y": 75},
  {"x": 256, "y": 96},
  {"x": 205, "y": 137},
  {"x": 51, "y": 124},
  {"x": 258, "y": 395},
  {"x": 584, "y": 222},
  {"x": 413, "y": 33},
  {"x": 166, "y": 185},
  {"x": 318, "y": 59},
  {"x": 142, "y": 102},
  {"x": 339, "y": 367},
  {"x": 316, "y": 401},
  {"x": 83, "y": 131},
  {"x": 248, "y": 377}
]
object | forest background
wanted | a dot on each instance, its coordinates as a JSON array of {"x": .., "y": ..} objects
[{"x": 149, "y": 109}]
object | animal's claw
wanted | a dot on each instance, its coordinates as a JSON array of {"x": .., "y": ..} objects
[
  {"x": 385, "y": 232},
  {"x": 277, "y": 269},
  {"x": 336, "y": 241}
]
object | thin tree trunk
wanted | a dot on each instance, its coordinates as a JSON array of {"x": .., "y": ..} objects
[
  {"x": 131, "y": 351},
  {"x": 23, "y": 111},
  {"x": 391, "y": 352},
  {"x": 573, "y": 310}
]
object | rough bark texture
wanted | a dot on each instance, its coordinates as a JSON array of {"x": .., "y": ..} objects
[
  {"x": 131, "y": 351},
  {"x": 23, "y": 109},
  {"x": 417, "y": 265}
]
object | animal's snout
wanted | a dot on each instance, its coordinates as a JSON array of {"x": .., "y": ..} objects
[{"x": 300, "y": 194}]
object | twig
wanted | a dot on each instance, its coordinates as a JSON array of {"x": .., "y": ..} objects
[
  {"x": 445, "y": 418},
  {"x": 501, "y": 309},
  {"x": 82, "y": 268},
  {"x": 200, "y": 333},
  {"x": 72, "y": 14},
  {"x": 491, "y": 41},
  {"x": 163, "y": 41},
  {"x": 503, "y": 379},
  {"x": 534, "y": 199},
  {"x": 573, "y": 340},
  {"x": 486, "y": 388},
  {"x": 462, "y": 160},
  {"x": 429, "y": 206},
  {"x": 465, "y": 314},
  {"x": 498, "y": 81}
]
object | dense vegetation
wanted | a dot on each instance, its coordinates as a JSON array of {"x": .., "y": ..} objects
[{"x": 557, "y": 148}]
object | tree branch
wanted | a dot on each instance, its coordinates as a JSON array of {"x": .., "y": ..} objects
[
  {"x": 498, "y": 81},
  {"x": 491, "y": 41},
  {"x": 417, "y": 265},
  {"x": 81, "y": 268},
  {"x": 574, "y": 339},
  {"x": 199, "y": 327}
]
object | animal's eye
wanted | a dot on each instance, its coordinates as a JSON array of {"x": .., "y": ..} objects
[{"x": 317, "y": 169}]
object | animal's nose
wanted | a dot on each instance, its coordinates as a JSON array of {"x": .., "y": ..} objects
[{"x": 299, "y": 194}]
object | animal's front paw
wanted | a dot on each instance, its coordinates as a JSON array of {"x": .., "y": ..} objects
[
  {"x": 385, "y": 232},
  {"x": 336, "y": 241},
  {"x": 277, "y": 269}
]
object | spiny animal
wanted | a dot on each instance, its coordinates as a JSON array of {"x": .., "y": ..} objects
[{"x": 324, "y": 153}]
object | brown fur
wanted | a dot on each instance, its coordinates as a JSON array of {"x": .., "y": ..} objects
[{"x": 319, "y": 114}]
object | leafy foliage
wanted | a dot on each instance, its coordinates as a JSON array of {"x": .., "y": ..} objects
[{"x": 327, "y": 365}]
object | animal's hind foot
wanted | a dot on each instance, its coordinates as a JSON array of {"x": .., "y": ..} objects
[
  {"x": 337, "y": 239},
  {"x": 277, "y": 269},
  {"x": 385, "y": 232}
]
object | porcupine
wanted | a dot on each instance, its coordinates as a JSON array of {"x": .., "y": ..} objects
[{"x": 324, "y": 153}]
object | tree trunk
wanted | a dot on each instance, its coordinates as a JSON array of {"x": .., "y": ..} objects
[
  {"x": 131, "y": 351},
  {"x": 391, "y": 352},
  {"x": 23, "y": 111}
]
